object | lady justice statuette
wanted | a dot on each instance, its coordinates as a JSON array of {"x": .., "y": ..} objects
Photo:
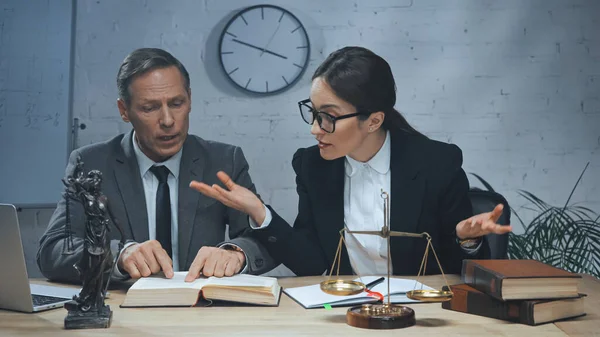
[{"x": 87, "y": 309}]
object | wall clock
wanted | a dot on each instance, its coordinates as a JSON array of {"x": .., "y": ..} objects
[{"x": 264, "y": 49}]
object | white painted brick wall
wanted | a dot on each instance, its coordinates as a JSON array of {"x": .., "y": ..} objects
[{"x": 514, "y": 83}]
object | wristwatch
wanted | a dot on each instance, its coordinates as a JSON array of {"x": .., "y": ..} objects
[
  {"x": 469, "y": 243},
  {"x": 229, "y": 246}
]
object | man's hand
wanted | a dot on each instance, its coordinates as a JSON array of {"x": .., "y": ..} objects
[
  {"x": 145, "y": 259},
  {"x": 212, "y": 261}
]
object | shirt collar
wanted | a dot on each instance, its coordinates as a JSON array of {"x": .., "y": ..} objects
[
  {"x": 380, "y": 162},
  {"x": 146, "y": 163}
]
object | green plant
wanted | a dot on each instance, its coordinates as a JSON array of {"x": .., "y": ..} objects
[{"x": 566, "y": 237}]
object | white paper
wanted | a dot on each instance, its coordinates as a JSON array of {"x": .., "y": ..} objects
[
  {"x": 243, "y": 280},
  {"x": 312, "y": 296}
]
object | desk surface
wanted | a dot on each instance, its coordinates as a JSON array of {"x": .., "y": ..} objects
[{"x": 291, "y": 319}]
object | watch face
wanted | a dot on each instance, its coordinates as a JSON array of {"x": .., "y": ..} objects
[{"x": 264, "y": 49}]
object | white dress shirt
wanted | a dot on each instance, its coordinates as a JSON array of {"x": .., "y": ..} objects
[
  {"x": 150, "y": 183},
  {"x": 363, "y": 210}
]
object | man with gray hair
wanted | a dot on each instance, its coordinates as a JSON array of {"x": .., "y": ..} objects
[{"x": 147, "y": 171}]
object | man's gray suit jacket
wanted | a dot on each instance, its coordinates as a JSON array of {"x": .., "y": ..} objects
[{"x": 201, "y": 220}]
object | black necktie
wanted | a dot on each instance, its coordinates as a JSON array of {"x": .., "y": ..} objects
[{"x": 163, "y": 208}]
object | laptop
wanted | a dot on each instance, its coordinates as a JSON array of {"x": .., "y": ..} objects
[{"x": 16, "y": 293}]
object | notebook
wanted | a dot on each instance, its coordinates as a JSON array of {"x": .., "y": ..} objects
[{"x": 311, "y": 297}]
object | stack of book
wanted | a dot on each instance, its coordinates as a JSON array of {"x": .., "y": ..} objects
[{"x": 523, "y": 291}]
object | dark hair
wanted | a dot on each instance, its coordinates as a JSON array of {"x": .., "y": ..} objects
[
  {"x": 365, "y": 80},
  {"x": 141, "y": 61}
]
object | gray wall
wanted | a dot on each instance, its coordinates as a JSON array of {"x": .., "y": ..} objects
[
  {"x": 515, "y": 83},
  {"x": 35, "y": 40},
  {"x": 35, "y": 76}
]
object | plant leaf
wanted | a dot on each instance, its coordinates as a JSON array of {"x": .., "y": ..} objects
[
  {"x": 567, "y": 237},
  {"x": 577, "y": 183},
  {"x": 483, "y": 182},
  {"x": 533, "y": 199}
]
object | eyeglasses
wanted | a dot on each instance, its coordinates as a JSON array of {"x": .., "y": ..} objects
[{"x": 326, "y": 121}]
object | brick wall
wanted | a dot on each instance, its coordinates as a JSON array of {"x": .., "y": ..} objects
[{"x": 515, "y": 84}]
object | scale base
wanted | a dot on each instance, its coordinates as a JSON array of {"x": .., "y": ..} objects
[{"x": 380, "y": 316}]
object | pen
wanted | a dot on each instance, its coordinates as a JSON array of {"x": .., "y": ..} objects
[{"x": 374, "y": 283}]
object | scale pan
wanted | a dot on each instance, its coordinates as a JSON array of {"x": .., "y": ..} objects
[
  {"x": 429, "y": 295},
  {"x": 342, "y": 287}
]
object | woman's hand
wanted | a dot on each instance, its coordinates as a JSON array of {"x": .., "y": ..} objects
[
  {"x": 482, "y": 224},
  {"x": 235, "y": 196}
]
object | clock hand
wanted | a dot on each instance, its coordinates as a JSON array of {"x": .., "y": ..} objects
[
  {"x": 259, "y": 48},
  {"x": 271, "y": 38}
]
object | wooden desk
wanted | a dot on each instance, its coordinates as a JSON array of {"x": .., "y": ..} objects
[{"x": 290, "y": 319}]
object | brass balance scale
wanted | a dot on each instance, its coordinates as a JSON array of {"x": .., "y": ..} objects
[{"x": 386, "y": 315}]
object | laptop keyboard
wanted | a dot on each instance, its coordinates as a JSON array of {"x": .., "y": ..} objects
[{"x": 39, "y": 300}]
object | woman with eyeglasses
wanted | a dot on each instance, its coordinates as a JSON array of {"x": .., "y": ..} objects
[{"x": 364, "y": 147}]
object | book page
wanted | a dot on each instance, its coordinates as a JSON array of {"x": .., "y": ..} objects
[
  {"x": 243, "y": 280},
  {"x": 161, "y": 282}
]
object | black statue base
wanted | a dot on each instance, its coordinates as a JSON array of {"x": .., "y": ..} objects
[{"x": 77, "y": 319}]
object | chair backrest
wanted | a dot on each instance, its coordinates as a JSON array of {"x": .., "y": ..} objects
[{"x": 485, "y": 201}]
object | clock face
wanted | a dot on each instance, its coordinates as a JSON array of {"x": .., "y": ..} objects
[{"x": 264, "y": 49}]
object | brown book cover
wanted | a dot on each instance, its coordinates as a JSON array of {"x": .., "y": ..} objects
[
  {"x": 519, "y": 279},
  {"x": 531, "y": 312}
]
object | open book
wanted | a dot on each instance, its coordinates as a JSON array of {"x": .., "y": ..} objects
[
  {"x": 312, "y": 296},
  {"x": 158, "y": 291}
]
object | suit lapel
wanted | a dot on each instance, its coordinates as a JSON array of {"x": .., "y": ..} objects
[
  {"x": 407, "y": 195},
  {"x": 330, "y": 193},
  {"x": 407, "y": 188},
  {"x": 129, "y": 183},
  {"x": 193, "y": 161}
]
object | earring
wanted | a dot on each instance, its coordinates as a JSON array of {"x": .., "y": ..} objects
[{"x": 371, "y": 129}]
